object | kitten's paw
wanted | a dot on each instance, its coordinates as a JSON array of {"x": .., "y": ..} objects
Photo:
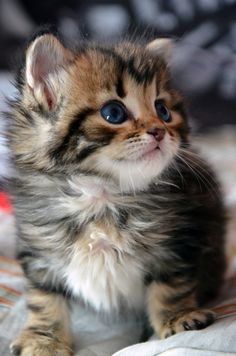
[
  {"x": 194, "y": 320},
  {"x": 29, "y": 344}
]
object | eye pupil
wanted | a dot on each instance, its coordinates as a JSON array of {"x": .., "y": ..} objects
[
  {"x": 114, "y": 112},
  {"x": 162, "y": 112}
]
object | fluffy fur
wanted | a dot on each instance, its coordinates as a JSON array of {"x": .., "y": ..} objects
[{"x": 107, "y": 213}]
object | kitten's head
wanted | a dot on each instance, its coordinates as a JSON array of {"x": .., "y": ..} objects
[{"x": 108, "y": 111}]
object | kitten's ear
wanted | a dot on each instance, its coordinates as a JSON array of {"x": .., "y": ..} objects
[
  {"x": 162, "y": 47},
  {"x": 44, "y": 59}
]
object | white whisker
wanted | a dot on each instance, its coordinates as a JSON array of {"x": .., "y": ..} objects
[
  {"x": 131, "y": 180},
  {"x": 175, "y": 165},
  {"x": 199, "y": 172}
]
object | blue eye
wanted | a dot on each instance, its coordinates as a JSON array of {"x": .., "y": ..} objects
[
  {"x": 114, "y": 112},
  {"x": 162, "y": 112}
]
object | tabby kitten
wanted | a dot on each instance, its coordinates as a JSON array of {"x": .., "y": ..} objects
[{"x": 113, "y": 207}]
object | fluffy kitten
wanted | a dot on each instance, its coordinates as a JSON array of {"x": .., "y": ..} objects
[{"x": 113, "y": 207}]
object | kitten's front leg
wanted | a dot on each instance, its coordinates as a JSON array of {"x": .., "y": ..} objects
[
  {"x": 47, "y": 331},
  {"x": 173, "y": 308}
]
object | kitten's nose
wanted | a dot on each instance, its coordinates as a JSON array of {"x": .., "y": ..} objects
[{"x": 157, "y": 133}]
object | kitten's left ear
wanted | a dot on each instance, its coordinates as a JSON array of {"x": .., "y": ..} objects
[
  {"x": 45, "y": 58},
  {"x": 161, "y": 47}
]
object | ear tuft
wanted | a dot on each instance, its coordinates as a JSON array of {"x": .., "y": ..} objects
[
  {"x": 161, "y": 47},
  {"x": 44, "y": 58}
]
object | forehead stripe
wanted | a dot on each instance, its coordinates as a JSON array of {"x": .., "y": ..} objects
[
  {"x": 120, "y": 88},
  {"x": 143, "y": 75}
]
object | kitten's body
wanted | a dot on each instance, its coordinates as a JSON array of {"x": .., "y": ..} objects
[
  {"x": 90, "y": 230},
  {"x": 118, "y": 215}
]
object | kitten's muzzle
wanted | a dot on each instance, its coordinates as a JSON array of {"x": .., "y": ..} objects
[{"x": 157, "y": 133}]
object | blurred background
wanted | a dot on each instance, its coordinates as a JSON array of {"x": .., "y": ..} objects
[{"x": 204, "y": 62}]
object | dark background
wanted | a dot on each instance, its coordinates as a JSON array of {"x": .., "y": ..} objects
[{"x": 204, "y": 64}]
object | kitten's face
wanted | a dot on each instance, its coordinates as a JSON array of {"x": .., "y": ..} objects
[{"x": 110, "y": 112}]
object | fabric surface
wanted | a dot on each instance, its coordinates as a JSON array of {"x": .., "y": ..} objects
[
  {"x": 11, "y": 284},
  {"x": 219, "y": 338}
]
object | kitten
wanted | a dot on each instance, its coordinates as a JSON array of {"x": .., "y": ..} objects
[{"x": 113, "y": 207}]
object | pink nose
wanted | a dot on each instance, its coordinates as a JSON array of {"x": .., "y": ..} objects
[{"x": 157, "y": 133}]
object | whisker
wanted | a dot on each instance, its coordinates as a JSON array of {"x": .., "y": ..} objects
[
  {"x": 131, "y": 180},
  {"x": 175, "y": 166},
  {"x": 190, "y": 167},
  {"x": 168, "y": 183},
  {"x": 198, "y": 165},
  {"x": 200, "y": 174},
  {"x": 196, "y": 159}
]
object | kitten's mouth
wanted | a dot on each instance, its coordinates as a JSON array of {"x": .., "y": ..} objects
[
  {"x": 145, "y": 153},
  {"x": 151, "y": 153}
]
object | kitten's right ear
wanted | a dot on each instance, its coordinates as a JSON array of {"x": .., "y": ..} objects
[
  {"x": 161, "y": 47},
  {"x": 45, "y": 57}
]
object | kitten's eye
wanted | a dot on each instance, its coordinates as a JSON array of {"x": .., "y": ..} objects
[
  {"x": 114, "y": 112},
  {"x": 162, "y": 112}
]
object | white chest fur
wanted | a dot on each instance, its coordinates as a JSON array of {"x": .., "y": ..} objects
[
  {"x": 103, "y": 270},
  {"x": 103, "y": 274}
]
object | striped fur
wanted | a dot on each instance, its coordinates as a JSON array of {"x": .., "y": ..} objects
[{"x": 102, "y": 215}]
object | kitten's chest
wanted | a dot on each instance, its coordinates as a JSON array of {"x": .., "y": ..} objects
[
  {"x": 103, "y": 270},
  {"x": 88, "y": 198}
]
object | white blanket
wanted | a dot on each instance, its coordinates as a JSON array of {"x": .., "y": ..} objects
[{"x": 217, "y": 340}]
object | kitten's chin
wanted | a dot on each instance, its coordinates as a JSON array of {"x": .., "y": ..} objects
[
  {"x": 136, "y": 170},
  {"x": 150, "y": 155},
  {"x": 137, "y": 175}
]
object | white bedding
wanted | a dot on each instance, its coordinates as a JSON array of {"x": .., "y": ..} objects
[
  {"x": 217, "y": 339},
  {"x": 96, "y": 338}
]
